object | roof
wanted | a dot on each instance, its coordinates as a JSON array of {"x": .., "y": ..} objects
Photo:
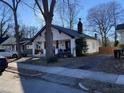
[
  {"x": 71, "y": 33},
  {"x": 12, "y": 41},
  {"x": 3, "y": 39},
  {"x": 120, "y": 27},
  {"x": 9, "y": 41}
]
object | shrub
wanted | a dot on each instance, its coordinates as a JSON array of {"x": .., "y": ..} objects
[
  {"x": 121, "y": 46},
  {"x": 116, "y": 43},
  {"x": 81, "y": 46},
  {"x": 52, "y": 59}
]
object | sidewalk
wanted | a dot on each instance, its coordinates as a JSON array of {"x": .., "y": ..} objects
[{"x": 75, "y": 73}]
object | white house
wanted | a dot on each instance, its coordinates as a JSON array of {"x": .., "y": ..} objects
[
  {"x": 63, "y": 38},
  {"x": 120, "y": 30}
]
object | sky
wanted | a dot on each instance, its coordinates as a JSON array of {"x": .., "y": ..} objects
[{"x": 28, "y": 17}]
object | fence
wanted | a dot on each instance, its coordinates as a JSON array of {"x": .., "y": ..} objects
[{"x": 106, "y": 50}]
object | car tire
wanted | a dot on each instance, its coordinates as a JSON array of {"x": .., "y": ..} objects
[{"x": 14, "y": 56}]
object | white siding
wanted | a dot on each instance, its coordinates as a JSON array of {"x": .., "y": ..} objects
[
  {"x": 93, "y": 45},
  {"x": 122, "y": 38}
]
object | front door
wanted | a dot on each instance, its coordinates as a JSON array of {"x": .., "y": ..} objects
[{"x": 67, "y": 44}]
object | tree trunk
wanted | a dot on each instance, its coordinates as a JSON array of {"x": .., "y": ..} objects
[
  {"x": 18, "y": 48},
  {"x": 49, "y": 39}
]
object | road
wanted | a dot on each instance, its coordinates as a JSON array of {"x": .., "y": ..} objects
[{"x": 13, "y": 83}]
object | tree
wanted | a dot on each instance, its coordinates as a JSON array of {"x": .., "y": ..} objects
[
  {"x": 46, "y": 8},
  {"x": 13, "y": 5},
  {"x": 100, "y": 18},
  {"x": 117, "y": 15},
  {"x": 5, "y": 20},
  {"x": 68, "y": 7},
  {"x": 81, "y": 46},
  {"x": 103, "y": 18},
  {"x": 28, "y": 31}
]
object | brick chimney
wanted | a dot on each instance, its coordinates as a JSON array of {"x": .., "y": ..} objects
[
  {"x": 80, "y": 26},
  {"x": 96, "y": 36}
]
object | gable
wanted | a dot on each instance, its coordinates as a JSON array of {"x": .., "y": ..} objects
[
  {"x": 57, "y": 35},
  {"x": 65, "y": 33}
]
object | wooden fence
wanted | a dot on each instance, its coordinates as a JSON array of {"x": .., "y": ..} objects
[{"x": 106, "y": 50}]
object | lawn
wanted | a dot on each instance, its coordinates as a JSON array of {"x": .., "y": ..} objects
[
  {"x": 105, "y": 63},
  {"x": 111, "y": 66}
]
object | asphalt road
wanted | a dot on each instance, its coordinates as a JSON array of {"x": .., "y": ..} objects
[{"x": 12, "y": 83}]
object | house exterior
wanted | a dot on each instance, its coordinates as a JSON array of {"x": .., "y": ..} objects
[
  {"x": 2, "y": 40},
  {"x": 63, "y": 38},
  {"x": 120, "y": 30},
  {"x": 10, "y": 44}
]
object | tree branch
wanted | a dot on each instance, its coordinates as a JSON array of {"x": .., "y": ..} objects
[
  {"x": 52, "y": 6},
  {"x": 37, "y": 3},
  {"x": 6, "y": 3}
]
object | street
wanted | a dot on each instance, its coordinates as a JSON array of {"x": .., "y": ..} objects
[{"x": 13, "y": 83}]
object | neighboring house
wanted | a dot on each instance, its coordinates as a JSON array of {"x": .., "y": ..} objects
[
  {"x": 120, "y": 30},
  {"x": 63, "y": 38},
  {"x": 2, "y": 40},
  {"x": 10, "y": 44}
]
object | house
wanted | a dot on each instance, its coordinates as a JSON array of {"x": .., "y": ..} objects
[
  {"x": 10, "y": 44},
  {"x": 2, "y": 40},
  {"x": 120, "y": 30},
  {"x": 64, "y": 38}
]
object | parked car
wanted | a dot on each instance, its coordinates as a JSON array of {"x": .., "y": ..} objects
[
  {"x": 3, "y": 64},
  {"x": 8, "y": 53}
]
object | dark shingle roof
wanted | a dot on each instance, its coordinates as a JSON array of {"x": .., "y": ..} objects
[
  {"x": 9, "y": 41},
  {"x": 71, "y": 33},
  {"x": 120, "y": 27},
  {"x": 12, "y": 41},
  {"x": 3, "y": 39}
]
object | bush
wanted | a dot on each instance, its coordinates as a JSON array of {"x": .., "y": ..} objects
[
  {"x": 121, "y": 46},
  {"x": 81, "y": 46},
  {"x": 116, "y": 43},
  {"x": 52, "y": 59}
]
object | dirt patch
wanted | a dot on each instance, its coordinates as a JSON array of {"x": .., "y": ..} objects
[
  {"x": 111, "y": 66},
  {"x": 102, "y": 87}
]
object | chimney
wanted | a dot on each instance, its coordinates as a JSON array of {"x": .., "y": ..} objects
[
  {"x": 80, "y": 26},
  {"x": 95, "y": 35}
]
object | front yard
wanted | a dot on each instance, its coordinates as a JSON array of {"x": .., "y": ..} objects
[
  {"x": 105, "y": 63},
  {"x": 102, "y": 87}
]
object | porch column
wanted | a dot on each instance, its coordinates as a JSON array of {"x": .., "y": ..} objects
[
  {"x": 43, "y": 46},
  {"x": 73, "y": 52},
  {"x": 33, "y": 48}
]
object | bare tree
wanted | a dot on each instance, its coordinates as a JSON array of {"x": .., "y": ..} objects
[
  {"x": 28, "y": 31},
  {"x": 68, "y": 11},
  {"x": 46, "y": 7},
  {"x": 100, "y": 19},
  {"x": 117, "y": 15},
  {"x": 32, "y": 31},
  {"x": 5, "y": 20},
  {"x": 13, "y": 5}
]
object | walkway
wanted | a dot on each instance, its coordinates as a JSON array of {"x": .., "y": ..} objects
[{"x": 75, "y": 73}]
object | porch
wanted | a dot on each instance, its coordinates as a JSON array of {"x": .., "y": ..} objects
[{"x": 60, "y": 47}]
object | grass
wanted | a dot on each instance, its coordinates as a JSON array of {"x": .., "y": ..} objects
[
  {"x": 111, "y": 66},
  {"x": 102, "y": 87}
]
